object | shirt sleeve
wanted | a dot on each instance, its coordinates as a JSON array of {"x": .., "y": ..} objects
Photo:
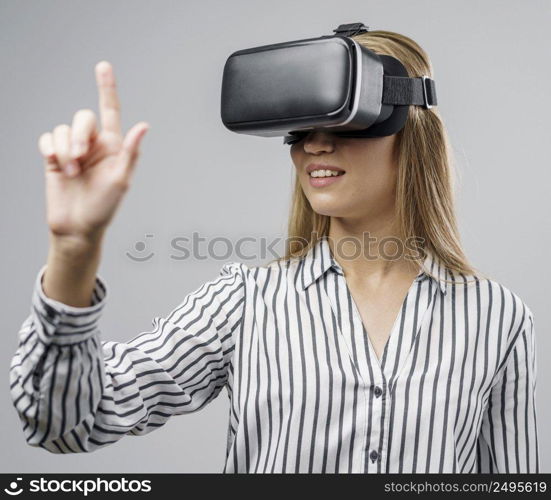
[
  {"x": 508, "y": 442},
  {"x": 75, "y": 392}
]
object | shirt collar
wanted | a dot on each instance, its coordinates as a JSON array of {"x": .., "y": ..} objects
[{"x": 319, "y": 260}]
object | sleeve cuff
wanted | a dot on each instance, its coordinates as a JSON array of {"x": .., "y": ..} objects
[{"x": 62, "y": 324}]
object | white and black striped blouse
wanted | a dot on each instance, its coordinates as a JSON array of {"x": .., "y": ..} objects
[{"x": 454, "y": 390}]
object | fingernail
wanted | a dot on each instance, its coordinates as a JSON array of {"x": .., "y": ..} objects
[{"x": 72, "y": 168}]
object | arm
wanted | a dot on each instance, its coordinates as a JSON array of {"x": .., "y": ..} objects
[
  {"x": 75, "y": 392},
  {"x": 508, "y": 441}
]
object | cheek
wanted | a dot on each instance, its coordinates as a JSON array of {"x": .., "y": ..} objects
[
  {"x": 374, "y": 179},
  {"x": 297, "y": 160}
]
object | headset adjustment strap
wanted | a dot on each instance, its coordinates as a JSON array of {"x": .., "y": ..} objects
[{"x": 403, "y": 90}]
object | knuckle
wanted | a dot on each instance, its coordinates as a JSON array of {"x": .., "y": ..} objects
[
  {"x": 51, "y": 166},
  {"x": 61, "y": 128},
  {"x": 44, "y": 137},
  {"x": 45, "y": 144},
  {"x": 85, "y": 113}
]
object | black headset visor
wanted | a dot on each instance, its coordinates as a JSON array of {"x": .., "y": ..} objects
[{"x": 330, "y": 82}]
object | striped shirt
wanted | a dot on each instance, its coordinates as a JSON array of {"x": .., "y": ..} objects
[{"x": 454, "y": 390}]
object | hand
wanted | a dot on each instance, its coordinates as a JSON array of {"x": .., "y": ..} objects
[{"x": 88, "y": 171}]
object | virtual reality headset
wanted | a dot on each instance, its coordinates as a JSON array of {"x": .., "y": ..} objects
[{"x": 330, "y": 82}]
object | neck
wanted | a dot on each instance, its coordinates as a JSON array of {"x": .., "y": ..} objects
[{"x": 370, "y": 249}]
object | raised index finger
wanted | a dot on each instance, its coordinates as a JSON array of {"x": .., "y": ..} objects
[{"x": 109, "y": 106}]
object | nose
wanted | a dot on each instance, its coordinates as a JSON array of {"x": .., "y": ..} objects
[{"x": 317, "y": 141}]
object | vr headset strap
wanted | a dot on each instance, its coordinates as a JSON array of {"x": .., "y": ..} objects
[
  {"x": 397, "y": 90},
  {"x": 401, "y": 90},
  {"x": 350, "y": 29}
]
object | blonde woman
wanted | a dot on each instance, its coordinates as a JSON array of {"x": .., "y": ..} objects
[{"x": 372, "y": 346}]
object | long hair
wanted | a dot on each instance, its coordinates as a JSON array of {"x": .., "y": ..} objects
[{"x": 424, "y": 192}]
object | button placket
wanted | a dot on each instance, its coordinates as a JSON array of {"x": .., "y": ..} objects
[
  {"x": 373, "y": 450},
  {"x": 350, "y": 338},
  {"x": 372, "y": 374}
]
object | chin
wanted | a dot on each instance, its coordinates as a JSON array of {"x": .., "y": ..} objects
[{"x": 327, "y": 208}]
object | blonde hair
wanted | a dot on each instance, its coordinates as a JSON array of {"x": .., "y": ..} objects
[{"x": 424, "y": 191}]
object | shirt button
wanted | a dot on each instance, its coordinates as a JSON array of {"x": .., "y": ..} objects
[
  {"x": 378, "y": 391},
  {"x": 374, "y": 455}
]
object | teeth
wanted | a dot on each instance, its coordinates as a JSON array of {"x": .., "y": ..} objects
[{"x": 324, "y": 173}]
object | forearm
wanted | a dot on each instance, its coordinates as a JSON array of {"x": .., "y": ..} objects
[
  {"x": 71, "y": 270},
  {"x": 75, "y": 392}
]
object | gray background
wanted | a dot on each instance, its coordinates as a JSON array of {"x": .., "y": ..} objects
[{"x": 491, "y": 62}]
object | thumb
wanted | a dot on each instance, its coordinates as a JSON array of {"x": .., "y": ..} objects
[{"x": 130, "y": 146}]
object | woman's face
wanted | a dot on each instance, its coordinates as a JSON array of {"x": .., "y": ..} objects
[{"x": 367, "y": 187}]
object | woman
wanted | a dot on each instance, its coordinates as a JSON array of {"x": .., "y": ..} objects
[{"x": 343, "y": 356}]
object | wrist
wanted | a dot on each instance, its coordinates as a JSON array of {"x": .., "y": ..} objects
[{"x": 75, "y": 247}]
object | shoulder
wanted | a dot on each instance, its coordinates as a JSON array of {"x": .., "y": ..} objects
[
  {"x": 514, "y": 321},
  {"x": 496, "y": 303},
  {"x": 273, "y": 271}
]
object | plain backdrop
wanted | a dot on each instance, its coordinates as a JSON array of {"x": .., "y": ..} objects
[{"x": 491, "y": 68}]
